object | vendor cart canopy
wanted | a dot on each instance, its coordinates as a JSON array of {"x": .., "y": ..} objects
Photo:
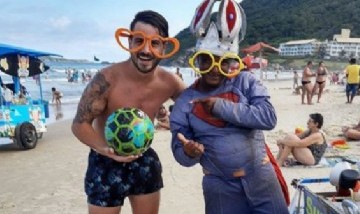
[
  {"x": 22, "y": 62},
  {"x": 9, "y": 49}
]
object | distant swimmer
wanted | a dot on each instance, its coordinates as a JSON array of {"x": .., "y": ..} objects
[{"x": 56, "y": 96}]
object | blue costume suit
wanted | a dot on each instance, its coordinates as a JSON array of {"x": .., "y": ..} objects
[{"x": 233, "y": 140}]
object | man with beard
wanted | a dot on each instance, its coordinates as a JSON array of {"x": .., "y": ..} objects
[
  {"x": 218, "y": 121},
  {"x": 139, "y": 83}
]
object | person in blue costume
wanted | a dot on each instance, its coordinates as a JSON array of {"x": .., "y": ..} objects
[{"x": 218, "y": 121}]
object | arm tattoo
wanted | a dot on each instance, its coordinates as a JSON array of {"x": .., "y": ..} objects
[{"x": 93, "y": 100}]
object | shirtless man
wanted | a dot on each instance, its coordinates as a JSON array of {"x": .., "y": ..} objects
[
  {"x": 320, "y": 82},
  {"x": 306, "y": 83},
  {"x": 140, "y": 83}
]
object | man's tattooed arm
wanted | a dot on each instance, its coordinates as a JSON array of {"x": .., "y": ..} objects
[{"x": 93, "y": 101}]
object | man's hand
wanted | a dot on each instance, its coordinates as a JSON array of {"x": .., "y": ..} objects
[
  {"x": 208, "y": 103},
  {"x": 191, "y": 148},
  {"x": 109, "y": 152}
]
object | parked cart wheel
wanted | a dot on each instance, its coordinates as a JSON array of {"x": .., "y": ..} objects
[{"x": 26, "y": 136}]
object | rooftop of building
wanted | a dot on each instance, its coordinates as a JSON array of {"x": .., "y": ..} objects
[{"x": 300, "y": 42}]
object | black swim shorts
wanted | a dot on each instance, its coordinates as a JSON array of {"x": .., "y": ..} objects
[{"x": 108, "y": 183}]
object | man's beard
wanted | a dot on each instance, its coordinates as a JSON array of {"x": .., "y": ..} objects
[{"x": 136, "y": 57}]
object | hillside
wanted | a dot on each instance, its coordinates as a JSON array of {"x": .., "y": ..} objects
[{"x": 276, "y": 21}]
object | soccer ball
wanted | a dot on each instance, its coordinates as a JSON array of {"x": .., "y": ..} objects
[{"x": 129, "y": 131}]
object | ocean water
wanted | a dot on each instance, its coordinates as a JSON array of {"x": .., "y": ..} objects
[{"x": 57, "y": 77}]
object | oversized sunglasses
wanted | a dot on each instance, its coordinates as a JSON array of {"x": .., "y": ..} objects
[
  {"x": 228, "y": 65},
  {"x": 161, "y": 47}
]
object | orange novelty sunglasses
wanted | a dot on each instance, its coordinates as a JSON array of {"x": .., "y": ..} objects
[{"x": 152, "y": 40}]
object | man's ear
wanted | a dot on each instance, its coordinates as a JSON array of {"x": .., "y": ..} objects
[{"x": 317, "y": 124}]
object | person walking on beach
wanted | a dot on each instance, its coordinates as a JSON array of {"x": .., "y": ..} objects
[
  {"x": 352, "y": 80},
  {"x": 218, "y": 122},
  {"x": 138, "y": 82},
  {"x": 307, "y": 148},
  {"x": 296, "y": 80},
  {"x": 320, "y": 81},
  {"x": 179, "y": 73},
  {"x": 306, "y": 83},
  {"x": 56, "y": 96}
]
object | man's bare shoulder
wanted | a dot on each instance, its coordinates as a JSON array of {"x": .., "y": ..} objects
[
  {"x": 172, "y": 81},
  {"x": 168, "y": 75},
  {"x": 113, "y": 69}
]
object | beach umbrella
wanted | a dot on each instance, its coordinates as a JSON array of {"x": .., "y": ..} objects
[
  {"x": 260, "y": 48},
  {"x": 252, "y": 62}
]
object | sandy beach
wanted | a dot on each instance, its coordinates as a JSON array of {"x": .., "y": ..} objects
[{"x": 49, "y": 178}]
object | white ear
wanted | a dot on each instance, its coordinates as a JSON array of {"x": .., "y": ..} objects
[
  {"x": 201, "y": 19},
  {"x": 231, "y": 20},
  {"x": 243, "y": 25},
  {"x": 231, "y": 23}
]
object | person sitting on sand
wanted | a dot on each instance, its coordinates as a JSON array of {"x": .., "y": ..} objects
[
  {"x": 352, "y": 133},
  {"x": 162, "y": 118},
  {"x": 308, "y": 147}
]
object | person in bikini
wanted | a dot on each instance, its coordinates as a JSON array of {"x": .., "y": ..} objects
[
  {"x": 306, "y": 83},
  {"x": 308, "y": 147},
  {"x": 320, "y": 82}
]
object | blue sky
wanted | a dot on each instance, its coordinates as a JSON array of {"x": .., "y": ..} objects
[{"x": 80, "y": 29}]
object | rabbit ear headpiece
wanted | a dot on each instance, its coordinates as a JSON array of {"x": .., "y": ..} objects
[{"x": 223, "y": 36}]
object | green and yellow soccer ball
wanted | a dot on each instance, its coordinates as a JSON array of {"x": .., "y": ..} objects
[{"x": 129, "y": 131}]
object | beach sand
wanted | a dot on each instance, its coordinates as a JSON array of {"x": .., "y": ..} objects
[{"x": 49, "y": 178}]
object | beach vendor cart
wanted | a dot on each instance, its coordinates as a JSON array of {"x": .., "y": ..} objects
[{"x": 22, "y": 116}]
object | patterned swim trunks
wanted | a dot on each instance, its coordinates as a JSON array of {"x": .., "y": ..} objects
[{"x": 108, "y": 183}]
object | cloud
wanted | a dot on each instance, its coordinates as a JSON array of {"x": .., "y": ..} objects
[
  {"x": 60, "y": 23},
  {"x": 60, "y": 27}
]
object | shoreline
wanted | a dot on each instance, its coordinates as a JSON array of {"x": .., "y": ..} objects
[
  {"x": 50, "y": 177},
  {"x": 66, "y": 111}
]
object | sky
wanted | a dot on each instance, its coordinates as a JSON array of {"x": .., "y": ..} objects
[{"x": 82, "y": 29}]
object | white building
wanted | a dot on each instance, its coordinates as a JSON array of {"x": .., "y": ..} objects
[
  {"x": 299, "y": 47},
  {"x": 343, "y": 45}
]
